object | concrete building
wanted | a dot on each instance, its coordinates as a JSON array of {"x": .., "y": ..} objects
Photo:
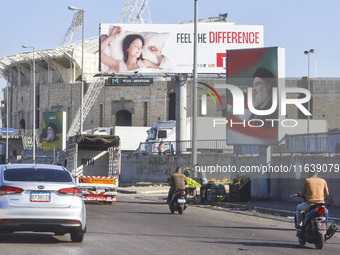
[{"x": 58, "y": 86}]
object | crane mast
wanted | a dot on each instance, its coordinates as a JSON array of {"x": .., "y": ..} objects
[
  {"x": 135, "y": 11},
  {"x": 77, "y": 20}
]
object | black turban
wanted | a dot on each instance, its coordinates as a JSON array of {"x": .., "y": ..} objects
[{"x": 265, "y": 75}]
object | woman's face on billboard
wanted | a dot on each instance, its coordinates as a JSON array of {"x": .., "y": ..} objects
[{"x": 135, "y": 48}]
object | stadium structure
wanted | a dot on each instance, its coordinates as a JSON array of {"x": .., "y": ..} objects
[{"x": 58, "y": 89}]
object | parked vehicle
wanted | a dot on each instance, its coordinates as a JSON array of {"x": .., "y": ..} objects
[
  {"x": 207, "y": 131},
  {"x": 314, "y": 227},
  {"x": 41, "y": 198},
  {"x": 178, "y": 201},
  {"x": 94, "y": 161}
]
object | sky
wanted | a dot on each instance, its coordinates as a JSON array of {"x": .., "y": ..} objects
[{"x": 296, "y": 25}]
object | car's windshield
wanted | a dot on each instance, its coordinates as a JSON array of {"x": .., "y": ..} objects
[{"x": 37, "y": 175}]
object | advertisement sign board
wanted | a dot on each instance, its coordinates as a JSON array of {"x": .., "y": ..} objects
[
  {"x": 54, "y": 131},
  {"x": 129, "y": 81},
  {"x": 165, "y": 48},
  {"x": 255, "y": 78}
]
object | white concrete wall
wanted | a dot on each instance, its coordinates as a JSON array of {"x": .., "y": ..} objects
[{"x": 157, "y": 168}]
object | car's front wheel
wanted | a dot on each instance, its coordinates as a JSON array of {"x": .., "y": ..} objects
[{"x": 77, "y": 237}]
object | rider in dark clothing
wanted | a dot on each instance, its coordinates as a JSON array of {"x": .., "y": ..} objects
[{"x": 176, "y": 181}]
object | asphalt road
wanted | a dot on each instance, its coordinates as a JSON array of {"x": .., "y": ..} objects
[{"x": 142, "y": 224}]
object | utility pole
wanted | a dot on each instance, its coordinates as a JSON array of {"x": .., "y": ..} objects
[{"x": 194, "y": 93}]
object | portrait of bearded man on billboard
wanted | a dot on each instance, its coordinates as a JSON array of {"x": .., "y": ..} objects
[
  {"x": 258, "y": 74},
  {"x": 262, "y": 96}
]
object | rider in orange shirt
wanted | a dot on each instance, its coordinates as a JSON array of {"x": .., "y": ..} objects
[{"x": 315, "y": 190}]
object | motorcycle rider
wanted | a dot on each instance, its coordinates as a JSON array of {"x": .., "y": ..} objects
[
  {"x": 176, "y": 181},
  {"x": 315, "y": 190}
]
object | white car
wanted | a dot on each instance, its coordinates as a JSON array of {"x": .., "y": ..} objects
[{"x": 41, "y": 198}]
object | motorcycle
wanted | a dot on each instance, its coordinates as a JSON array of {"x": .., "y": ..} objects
[
  {"x": 314, "y": 227},
  {"x": 178, "y": 201}
]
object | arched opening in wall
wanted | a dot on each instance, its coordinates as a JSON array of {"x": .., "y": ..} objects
[
  {"x": 123, "y": 118},
  {"x": 22, "y": 124}
]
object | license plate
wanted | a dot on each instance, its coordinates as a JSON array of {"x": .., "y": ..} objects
[
  {"x": 94, "y": 198},
  {"x": 181, "y": 200},
  {"x": 40, "y": 196},
  {"x": 96, "y": 180}
]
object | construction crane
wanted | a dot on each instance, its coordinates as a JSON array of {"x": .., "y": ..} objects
[{"x": 135, "y": 11}]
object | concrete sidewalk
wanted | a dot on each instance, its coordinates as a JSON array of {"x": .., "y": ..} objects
[
  {"x": 281, "y": 208},
  {"x": 152, "y": 189}
]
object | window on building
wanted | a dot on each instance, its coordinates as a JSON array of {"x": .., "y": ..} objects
[
  {"x": 22, "y": 124},
  {"x": 101, "y": 115},
  {"x": 145, "y": 110}
]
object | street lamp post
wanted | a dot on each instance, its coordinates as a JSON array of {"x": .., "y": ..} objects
[
  {"x": 7, "y": 111},
  {"x": 82, "y": 13},
  {"x": 33, "y": 59},
  {"x": 308, "y": 52},
  {"x": 194, "y": 91}
]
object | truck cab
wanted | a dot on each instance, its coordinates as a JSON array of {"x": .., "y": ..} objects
[{"x": 161, "y": 132}]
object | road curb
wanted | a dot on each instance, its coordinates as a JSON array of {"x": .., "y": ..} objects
[
  {"x": 143, "y": 191},
  {"x": 264, "y": 210},
  {"x": 255, "y": 208},
  {"x": 127, "y": 191},
  {"x": 229, "y": 205}
]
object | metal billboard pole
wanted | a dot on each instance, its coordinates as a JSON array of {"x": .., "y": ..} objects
[
  {"x": 308, "y": 52},
  {"x": 7, "y": 105},
  {"x": 194, "y": 93}
]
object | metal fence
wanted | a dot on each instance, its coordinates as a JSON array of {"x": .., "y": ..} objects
[
  {"x": 169, "y": 147},
  {"x": 323, "y": 143}
]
